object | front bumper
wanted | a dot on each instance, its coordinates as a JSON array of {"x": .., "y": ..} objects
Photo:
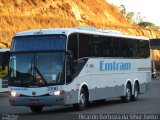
[{"x": 42, "y": 100}]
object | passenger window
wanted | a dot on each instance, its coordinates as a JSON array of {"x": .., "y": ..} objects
[
  {"x": 84, "y": 45},
  {"x": 73, "y": 45}
]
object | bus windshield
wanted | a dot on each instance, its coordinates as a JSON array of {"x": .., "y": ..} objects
[
  {"x": 36, "y": 69},
  {"x": 38, "y": 43}
]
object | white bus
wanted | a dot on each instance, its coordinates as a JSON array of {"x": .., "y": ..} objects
[
  {"x": 73, "y": 66},
  {"x": 4, "y": 62}
]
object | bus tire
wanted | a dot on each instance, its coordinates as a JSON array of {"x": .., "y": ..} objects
[
  {"x": 82, "y": 101},
  {"x": 134, "y": 97},
  {"x": 128, "y": 94},
  {"x": 36, "y": 109}
]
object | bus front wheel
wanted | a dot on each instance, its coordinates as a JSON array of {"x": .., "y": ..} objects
[
  {"x": 36, "y": 109},
  {"x": 82, "y": 101}
]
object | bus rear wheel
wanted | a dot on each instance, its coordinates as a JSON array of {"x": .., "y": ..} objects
[
  {"x": 82, "y": 101},
  {"x": 136, "y": 92},
  {"x": 128, "y": 93},
  {"x": 36, "y": 109}
]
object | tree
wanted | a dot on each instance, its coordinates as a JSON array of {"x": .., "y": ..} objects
[
  {"x": 138, "y": 18},
  {"x": 123, "y": 10},
  {"x": 130, "y": 16},
  {"x": 146, "y": 24}
]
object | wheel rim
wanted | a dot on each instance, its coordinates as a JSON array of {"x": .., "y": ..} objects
[
  {"x": 128, "y": 93},
  {"x": 136, "y": 92},
  {"x": 82, "y": 99}
]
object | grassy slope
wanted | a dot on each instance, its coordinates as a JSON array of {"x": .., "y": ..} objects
[{"x": 20, "y": 15}]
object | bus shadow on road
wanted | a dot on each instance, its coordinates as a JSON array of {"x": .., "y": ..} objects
[
  {"x": 104, "y": 103},
  {"x": 70, "y": 110}
]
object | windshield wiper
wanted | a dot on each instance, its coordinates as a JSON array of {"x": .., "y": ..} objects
[
  {"x": 31, "y": 67},
  {"x": 22, "y": 79},
  {"x": 33, "y": 70},
  {"x": 40, "y": 74}
]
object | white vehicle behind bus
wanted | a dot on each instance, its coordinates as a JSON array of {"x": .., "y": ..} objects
[
  {"x": 4, "y": 62},
  {"x": 73, "y": 66}
]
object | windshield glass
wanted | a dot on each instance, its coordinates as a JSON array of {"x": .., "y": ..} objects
[
  {"x": 38, "y": 42},
  {"x": 36, "y": 69}
]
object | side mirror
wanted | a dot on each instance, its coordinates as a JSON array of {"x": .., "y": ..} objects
[
  {"x": 69, "y": 53},
  {"x": 71, "y": 62}
]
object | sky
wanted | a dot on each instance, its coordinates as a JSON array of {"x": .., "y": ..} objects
[{"x": 150, "y": 9}]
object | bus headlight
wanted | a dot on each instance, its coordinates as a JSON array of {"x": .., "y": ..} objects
[
  {"x": 14, "y": 94},
  {"x": 56, "y": 93}
]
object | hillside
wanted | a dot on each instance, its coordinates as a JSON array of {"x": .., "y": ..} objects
[{"x": 20, "y": 15}]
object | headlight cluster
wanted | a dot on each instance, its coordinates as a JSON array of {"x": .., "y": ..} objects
[
  {"x": 56, "y": 93},
  {"x": 14, "y": 94}
]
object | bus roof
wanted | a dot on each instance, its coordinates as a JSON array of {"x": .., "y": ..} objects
[{"x": 67, "y": 31}]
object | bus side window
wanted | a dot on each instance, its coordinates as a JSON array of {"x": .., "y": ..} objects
[
  {"x": 84, "y": 45},
  {"x": 1, "y": 61},
  {"x": 73, "y": 45},
  {"x": 107, "y": 45},
  {"x": 145, "y": 49}
]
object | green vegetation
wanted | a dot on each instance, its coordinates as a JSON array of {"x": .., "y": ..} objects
[
  {"x": 146, "y": 24},
  {"x": 137, "y": 19}
]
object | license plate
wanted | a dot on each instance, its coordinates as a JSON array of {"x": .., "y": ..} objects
[{"x": 34, "y": 101}]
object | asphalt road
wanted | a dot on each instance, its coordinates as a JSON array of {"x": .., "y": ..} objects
[{"x": 148, "y": 103}]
